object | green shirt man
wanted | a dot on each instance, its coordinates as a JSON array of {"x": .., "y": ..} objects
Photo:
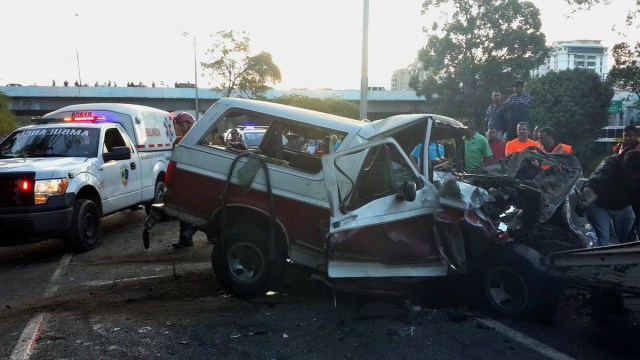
[{"x": 476, "y": 148}]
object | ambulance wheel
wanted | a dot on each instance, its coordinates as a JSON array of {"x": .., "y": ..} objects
[
  {"x": 84, "y": 233},
  {"x": 241, "y": 263},
  {"x": 515, "y": 284},
  {"x": 158, "y": 196}
]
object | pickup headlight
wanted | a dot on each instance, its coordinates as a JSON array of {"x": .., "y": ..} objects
[{"x": 45, "y": 188}]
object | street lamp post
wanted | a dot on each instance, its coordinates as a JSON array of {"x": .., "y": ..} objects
[
  {"x": 195, "y": 72},
  {"x": 78, "y": 59},
  {"x": 364, "y": 81}
]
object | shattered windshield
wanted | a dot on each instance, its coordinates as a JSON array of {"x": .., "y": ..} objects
[
  {"x": 371, "y": 174},
  {"x": 51, "y": 142}
]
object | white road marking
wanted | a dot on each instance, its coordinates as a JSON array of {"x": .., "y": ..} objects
[
  {"x": 525, "y": 340},
  {"x": 115, "y": 281},
  {"x": 52, "y": 286},
  {"x": 31, "y": 333}
]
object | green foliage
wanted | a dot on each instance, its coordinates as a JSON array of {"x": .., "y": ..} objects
[
  {"x": 574, "y": 103},
  {"x": 7, "y": 118},
  {"x": 329, "y": 105},
  {"x": 234, "y": 71},
  {"x": 481, "y": 46},
  {"x": 631, "y": 17},
  {"x": 625, "y": 72}
]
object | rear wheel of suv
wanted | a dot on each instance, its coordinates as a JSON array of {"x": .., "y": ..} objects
[
  {"x": 515, "y": 284},
  {"x": 84, "y": 233},
  {"x": 241, "y": 264}
]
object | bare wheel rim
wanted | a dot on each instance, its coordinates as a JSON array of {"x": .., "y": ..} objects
[
  {"x": 159, "y": 194},
  {"x": 246, "y": 262},
  {"x": 507, "y": 290},
  {"x": 89, "y": 225}
]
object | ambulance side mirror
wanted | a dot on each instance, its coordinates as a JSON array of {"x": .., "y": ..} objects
[{"x": 117, "y": 153}]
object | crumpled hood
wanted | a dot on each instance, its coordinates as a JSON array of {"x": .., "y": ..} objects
[
  {"x": 45, "y": 167},
  {"x": 548, "y": 178}
]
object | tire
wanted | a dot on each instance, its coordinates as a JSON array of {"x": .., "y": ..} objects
[
  {"x": 515, "y": 284},
  {"x": 84, "y": 233},
  {"x": 158, "y": 196},
  {"x": 241, "y": 264}
]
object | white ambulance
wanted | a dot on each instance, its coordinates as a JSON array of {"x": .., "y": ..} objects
[{"x": 78, "y": 164}]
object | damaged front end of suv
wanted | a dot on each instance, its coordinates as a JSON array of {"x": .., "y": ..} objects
[
  {"x": 534, "y": 194},
  {"x": 522, "y": 210}
]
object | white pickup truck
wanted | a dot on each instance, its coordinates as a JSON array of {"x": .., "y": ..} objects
[{"x": 80, "y": 163}]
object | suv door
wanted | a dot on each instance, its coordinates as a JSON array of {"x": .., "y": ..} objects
[{"x": 375, "y": 231}]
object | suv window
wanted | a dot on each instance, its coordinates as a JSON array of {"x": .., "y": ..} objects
[
  {"x": 371, "y": 174},
  {"x": 294, "y": 144}
]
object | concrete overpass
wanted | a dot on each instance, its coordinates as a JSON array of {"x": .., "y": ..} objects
[{"x": 38, "y": 100}]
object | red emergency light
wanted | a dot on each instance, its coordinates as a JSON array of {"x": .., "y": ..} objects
[
  {"x": 25, "y": 185},
  {"x": 85, "y": 118}
]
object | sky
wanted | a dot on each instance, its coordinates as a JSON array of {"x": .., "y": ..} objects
[{"x": 316, "y": 44}]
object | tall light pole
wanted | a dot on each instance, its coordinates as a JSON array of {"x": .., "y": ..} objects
[
  {"x": 195, "y": 72},
  {"x": 78, "y": 60},
  {"x": 364, "y": 81}
]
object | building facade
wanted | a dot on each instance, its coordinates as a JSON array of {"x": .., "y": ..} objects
[
  {"x": 401, "y": 77},
  {"x": 567, "y": 55}
]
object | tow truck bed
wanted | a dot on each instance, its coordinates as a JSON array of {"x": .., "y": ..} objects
[{"x": 614, "y": 267}]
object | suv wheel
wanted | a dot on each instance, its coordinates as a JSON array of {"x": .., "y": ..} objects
[
  {"x": 515, "y": 284},
  {"x": 241, "y": 264}
]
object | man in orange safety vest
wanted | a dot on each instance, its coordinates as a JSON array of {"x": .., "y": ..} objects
[{"x": 547, "y": 138}]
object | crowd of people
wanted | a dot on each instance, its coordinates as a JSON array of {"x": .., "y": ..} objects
[
  {"x": 609, "y": 198},
  {"x": 129, "y": 84}
]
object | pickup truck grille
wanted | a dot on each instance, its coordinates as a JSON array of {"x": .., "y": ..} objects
[{"x": 11, "y": 193}]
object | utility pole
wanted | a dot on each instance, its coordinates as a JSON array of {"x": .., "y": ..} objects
[
  {"x": 195, "y": 72},
  {"x": 364, "y": 81}
]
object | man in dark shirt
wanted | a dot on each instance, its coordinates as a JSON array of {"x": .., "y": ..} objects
[
  {"x": 629, "y": 139},
  {"x": 495, "y": 116},
  {"x": 517, "y": 109},
  {"x": 612, "y": 191}
]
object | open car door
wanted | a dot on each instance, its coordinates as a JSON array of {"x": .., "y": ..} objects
[{"x": 382, "y": 214}]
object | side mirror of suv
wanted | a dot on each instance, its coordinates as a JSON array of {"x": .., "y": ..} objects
[{"x": 407, "y": 191}]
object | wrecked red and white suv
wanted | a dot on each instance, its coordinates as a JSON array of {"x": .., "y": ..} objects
[{"x": 364, "y": 215}]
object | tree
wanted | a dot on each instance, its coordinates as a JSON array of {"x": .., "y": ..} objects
[
  {"x": 482, "y": 46},
  {"x": 632, "y": 15},
  {"x": 234, "y": 71},
  {"x": 7, "y": 118},
  {"x": 329, "y": 105},
  {"x": 574, "y": 103},
  {"x": 625, "y": 72}
]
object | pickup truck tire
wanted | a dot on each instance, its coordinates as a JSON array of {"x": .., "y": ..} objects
[
  {"x": 515, "y": 284},
  {"x": 84, "y": 233},
  {"x": 241, "y": 264},
  {"x": 158, "y": 196}
]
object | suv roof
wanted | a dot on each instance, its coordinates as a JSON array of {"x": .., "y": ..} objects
[
  {"x": 310, "y": 117},
  {"x": 364, "y": 129}
]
